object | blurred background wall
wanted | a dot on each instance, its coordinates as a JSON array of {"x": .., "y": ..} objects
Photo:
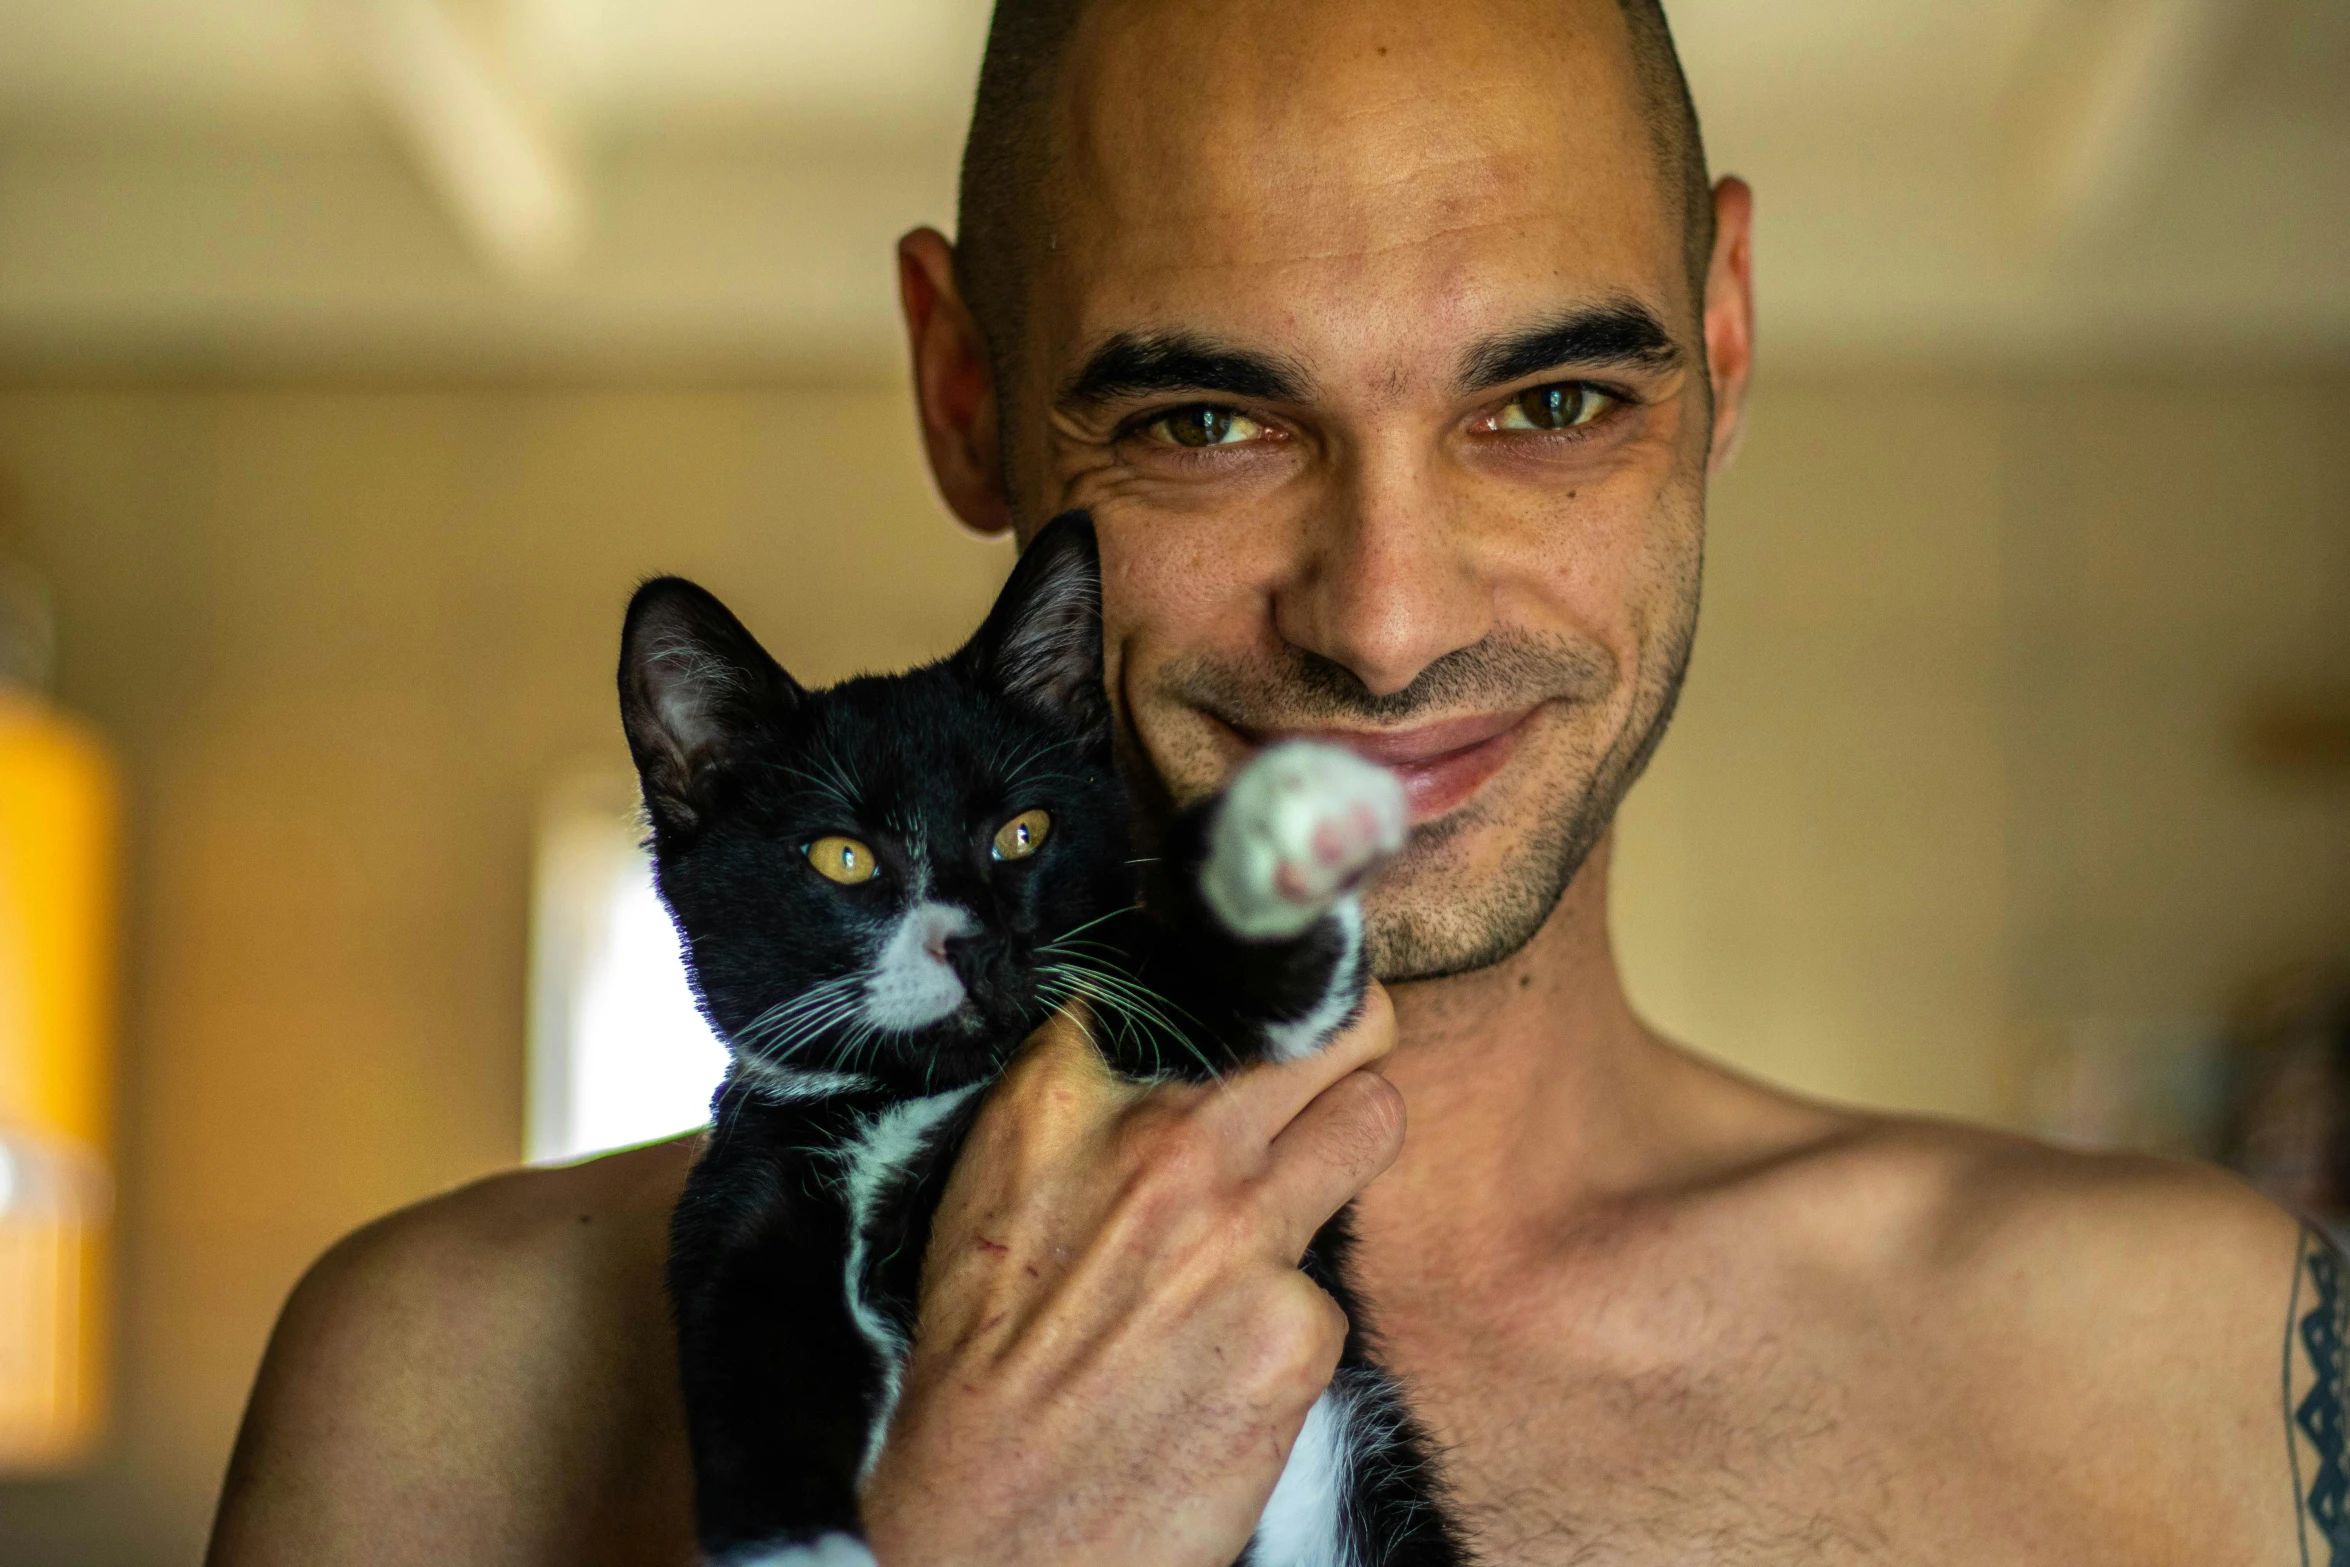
[{"x": 356, "y": 358}]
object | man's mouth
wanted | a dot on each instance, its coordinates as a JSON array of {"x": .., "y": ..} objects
[{"x": 1440, "y": 764}]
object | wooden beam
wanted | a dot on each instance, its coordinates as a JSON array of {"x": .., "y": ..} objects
[
  {"x": 491, "y": 152},
  {"x": 2106, "y": 94}
]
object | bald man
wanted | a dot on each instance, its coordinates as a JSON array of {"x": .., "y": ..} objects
[{"x": 1391, "y": 346}]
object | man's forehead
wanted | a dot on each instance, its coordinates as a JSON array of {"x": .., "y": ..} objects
[{"x": 1214, "y": 157}]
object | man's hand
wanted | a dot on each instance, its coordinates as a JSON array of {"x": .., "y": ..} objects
[{"x": 1116, "y": 1347}]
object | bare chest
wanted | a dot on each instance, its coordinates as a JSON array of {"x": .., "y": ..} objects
[{"x": 1701, "y": 1435}]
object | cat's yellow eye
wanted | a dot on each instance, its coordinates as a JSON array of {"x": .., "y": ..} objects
[
  {"x": 844, "y": 860},
  {"x": 1022, "y": 836}
]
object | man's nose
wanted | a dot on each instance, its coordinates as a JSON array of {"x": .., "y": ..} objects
[{"x": 1385, "y": 583}]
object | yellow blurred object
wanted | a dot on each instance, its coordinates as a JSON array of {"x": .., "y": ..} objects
[{"x": 57, "y": 839}]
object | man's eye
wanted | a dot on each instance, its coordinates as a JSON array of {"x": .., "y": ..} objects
[
  {"x": 1203, "y": 425},
  {"x": 1560, "y": 407}
]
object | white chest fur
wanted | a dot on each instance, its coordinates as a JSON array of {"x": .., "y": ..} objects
[
  {"x": 871, "y": 1166},
  {"x": 1303, "y": 1523}
]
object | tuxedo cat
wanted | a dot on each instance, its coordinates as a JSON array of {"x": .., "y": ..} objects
[{"x": 883, "y": 888}]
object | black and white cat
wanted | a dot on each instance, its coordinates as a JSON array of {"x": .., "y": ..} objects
[{"x": 883, "y": 888}]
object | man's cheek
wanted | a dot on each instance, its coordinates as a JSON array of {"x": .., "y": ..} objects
[{"x": 1182, "y": 748}]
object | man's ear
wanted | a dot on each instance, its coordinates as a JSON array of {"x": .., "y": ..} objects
[
  {"x": 1729, "y": 315},
  {"x": 1042, "y": 643},
  {"x": 695, "y": 687},
  {"x": 955, "y": 394}
]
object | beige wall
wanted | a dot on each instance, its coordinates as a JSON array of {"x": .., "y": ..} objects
[
  {"x": 1956, "y": 759},
  {"x": 1960, "y": 763}
]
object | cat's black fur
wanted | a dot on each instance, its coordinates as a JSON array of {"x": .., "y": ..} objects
[{"x": 796, "y": 1251}]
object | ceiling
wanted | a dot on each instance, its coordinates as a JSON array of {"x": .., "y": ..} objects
[{"x": 520, "y": 185}]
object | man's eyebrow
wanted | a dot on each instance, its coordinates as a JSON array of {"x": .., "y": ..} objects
[
  {"x": 1623, "y": 334},
  {"x": 1139, "y": 364}
]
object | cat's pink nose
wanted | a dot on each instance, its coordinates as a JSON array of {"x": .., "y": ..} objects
[{"x": 942, "y": 925}]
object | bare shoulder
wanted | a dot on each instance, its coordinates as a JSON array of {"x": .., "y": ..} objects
[
  {"x": 2117, "y": 1325},
  {"x": 2092, "y": 1257},
  {"x": 450, "y": 1382},
  {"x": 2128, "y": 1249}
]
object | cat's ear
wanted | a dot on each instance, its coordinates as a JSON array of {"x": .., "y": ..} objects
[
  {"x": 695, "y": 687},
  {"x": 1042, "y": 643}
]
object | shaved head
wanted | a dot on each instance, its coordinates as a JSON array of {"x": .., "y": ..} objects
[
  {"x": 1011, "y": 153},
  {"x": 1390, "y": 346}
]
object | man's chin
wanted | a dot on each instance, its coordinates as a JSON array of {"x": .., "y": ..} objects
[
  {"x": 1440, "y": 927},
  {"x": 1468, "y": 893}
]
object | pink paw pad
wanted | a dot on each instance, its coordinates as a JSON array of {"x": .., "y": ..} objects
[{"x": 1302, "y": 825}]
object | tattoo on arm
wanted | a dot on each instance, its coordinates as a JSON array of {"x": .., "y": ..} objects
[{"x": 2317, "y": 1339}]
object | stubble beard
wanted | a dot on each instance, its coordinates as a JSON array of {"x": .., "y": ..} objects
[{"x": 1439, "y": 928}]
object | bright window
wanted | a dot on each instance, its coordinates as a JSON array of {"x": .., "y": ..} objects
[{"x": 619, "y": 1053}]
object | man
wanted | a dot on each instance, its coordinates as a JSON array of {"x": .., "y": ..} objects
[{"x": 1391, "y": 346}]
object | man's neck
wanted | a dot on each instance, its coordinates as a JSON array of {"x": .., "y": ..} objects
[{"x": 1533, "y": 1090}]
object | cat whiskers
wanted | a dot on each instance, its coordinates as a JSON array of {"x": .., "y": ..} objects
[
  {"x": 832, "y": 781},
  {"x": 789, "y": 1026},
  {"x": 865, "y": 1039},
  {"x": 1026, "y": 771},
  {"x": 1133, "y": 1010},
  {"x": 1069, "y": 936},
  {"x": 1072, "y": 966},
  {"x": 785, "y": 1012}
]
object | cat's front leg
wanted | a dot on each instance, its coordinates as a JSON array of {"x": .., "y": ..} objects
[
  {"x": 1284, "y": 854},
  {"x": 1273, "y": 867},
  {"x": 1256, "y": 936}
]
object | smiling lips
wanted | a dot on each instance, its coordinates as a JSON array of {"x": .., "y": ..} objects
[{"x": 1440, "y": 764}]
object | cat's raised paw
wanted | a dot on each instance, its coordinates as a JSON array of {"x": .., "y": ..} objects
[{"x": 1300, "y": 827}]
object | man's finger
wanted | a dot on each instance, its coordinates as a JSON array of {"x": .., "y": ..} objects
[
  {"x": 1334, "y": 1148},
  {"x": 1267, "y": 1098}
]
